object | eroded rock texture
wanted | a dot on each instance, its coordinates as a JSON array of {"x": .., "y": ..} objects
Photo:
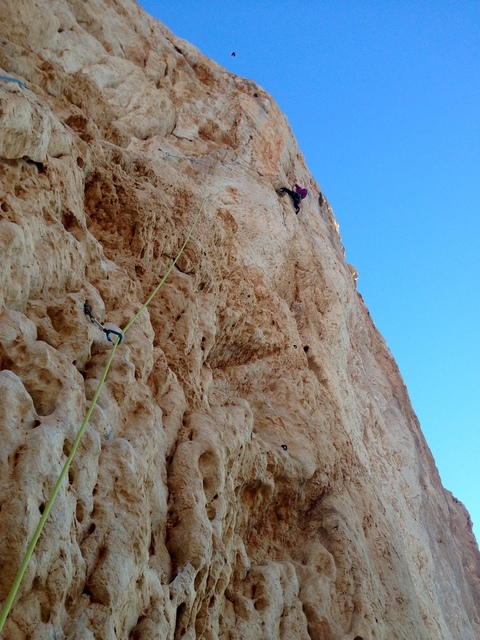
[{"x": 253, "y": 468}]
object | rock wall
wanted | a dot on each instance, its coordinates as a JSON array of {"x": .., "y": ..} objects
[{"x": 253, "y": 468}]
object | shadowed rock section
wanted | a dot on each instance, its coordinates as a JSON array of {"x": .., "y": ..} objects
[{"x": 253, "y": 468}]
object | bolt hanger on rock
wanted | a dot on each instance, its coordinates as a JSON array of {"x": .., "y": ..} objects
[{"x": 108, "y": 328}]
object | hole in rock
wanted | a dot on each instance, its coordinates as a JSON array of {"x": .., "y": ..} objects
[
  {"x": 70, "y": 222},
  {"x": 306, "y": 348},
  {"x": 44, "y": 613},
  {"x": 18, "y": 453},
  {"x": 45, "y": 404},
  {"x": 198, "y": 579},
  {"x": 211, "y": 511},
  {"x": 80, "y": 512},
  {"x": 70, "y": 603},
  {"x": 294, "y": 346},
  {"x": 71, "y": 476},
  {"x": 80, "y": 162},
  {"x": 6, "y": 363},
  {"x": 180, "y": 610},
  {"x": 261, "y": 604},
  {"x": 39, "y": 165},
  {"x": 36, "y": 423},
  {"x": 41, "y": 507},
  {"x": 207, "y": 484},
  {"x": 86, "y": 591}
]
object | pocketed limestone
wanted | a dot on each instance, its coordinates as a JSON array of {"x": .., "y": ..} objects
[{"x": 253, "y": 468}]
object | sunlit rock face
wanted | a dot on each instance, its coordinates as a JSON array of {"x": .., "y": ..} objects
[{"x": 253, "y": 468}]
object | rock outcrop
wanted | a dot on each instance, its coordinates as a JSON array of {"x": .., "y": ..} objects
[{"x": 253, "y": 468}]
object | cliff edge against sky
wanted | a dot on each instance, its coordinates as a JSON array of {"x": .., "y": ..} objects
[{"x": 253, "y": 468}]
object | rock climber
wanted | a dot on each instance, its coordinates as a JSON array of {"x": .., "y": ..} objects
[
  {"x": 301, "y": 190},
  {"x": 297, "y": 195}
]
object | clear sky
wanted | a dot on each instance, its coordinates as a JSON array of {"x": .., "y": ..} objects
[{"x": 384, "y": 99}]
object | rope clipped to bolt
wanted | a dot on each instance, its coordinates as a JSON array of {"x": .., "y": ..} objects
[{"x": 108, "y": 329}]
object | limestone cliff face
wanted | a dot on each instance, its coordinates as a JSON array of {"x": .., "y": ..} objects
[{"x": 253, "y": 468}]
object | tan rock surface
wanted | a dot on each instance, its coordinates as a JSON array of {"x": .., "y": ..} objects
[{"x": 253, "y": 468}]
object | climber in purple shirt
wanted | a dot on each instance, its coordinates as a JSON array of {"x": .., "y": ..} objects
[
  {"x": 297, "y": 196},
  {"x": 301, "y": 190}
]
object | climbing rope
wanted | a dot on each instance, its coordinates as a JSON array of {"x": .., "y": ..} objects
[{"x": 117, "y": 339}]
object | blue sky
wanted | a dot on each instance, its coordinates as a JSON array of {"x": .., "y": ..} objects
[{"x": 384, "y": 99}]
